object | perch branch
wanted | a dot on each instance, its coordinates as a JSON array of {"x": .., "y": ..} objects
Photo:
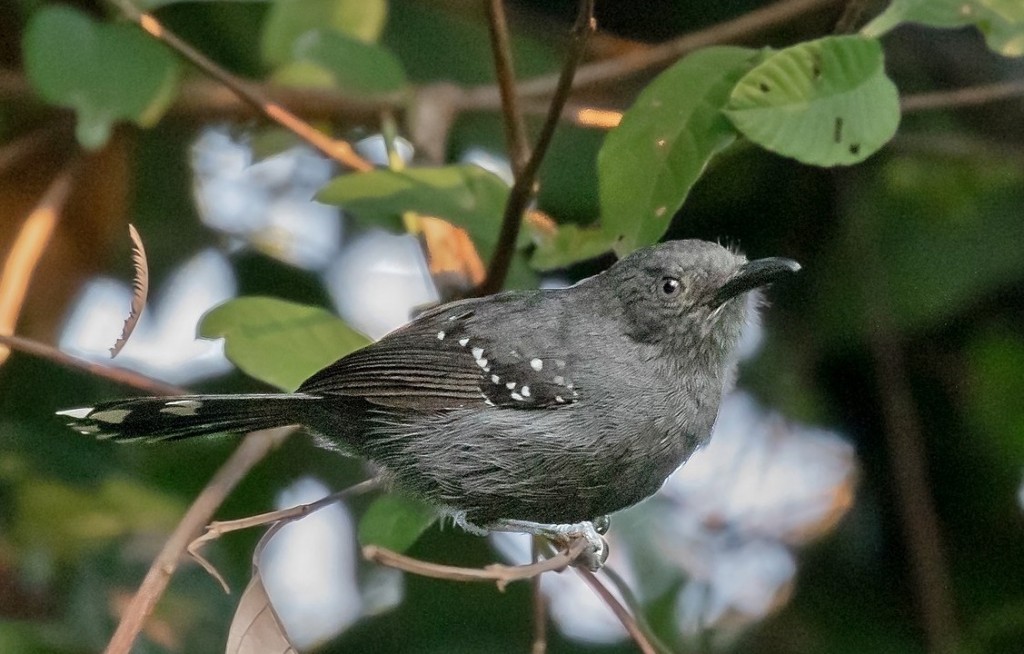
[
  {"x": 501, "y": 48},
  {"x": 28, "y": 248},
  {"x": 254, "y": 447},
  {"x": 126, "y": 377},
  {"x": 624, "y": 616},
  {"x": 522, "y": 190},
  {"x": 218, "y": 528},
  {"x": 500, "y": 574},
  {"x": 336, "y": 149},
  {"x": 730, "y": 31}
]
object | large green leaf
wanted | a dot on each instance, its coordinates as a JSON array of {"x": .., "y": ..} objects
[
  {"x": 570, "y": 244},
  {"x": 288, "y": 20},
  {"x": 1001, "y": 21},
  {"x": 826, "y": 102},
  {"x": 355, "y": 65},
  {"x": 278, "y": 342},
  {"x": 648, "y": 163},
  {"x": 106, "y": 73},
  {"x": 395, "y": 522},
  {"x": 465, "y": 195}
]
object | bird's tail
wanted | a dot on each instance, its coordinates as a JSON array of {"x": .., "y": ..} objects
[{"x": 174, "y": 418}]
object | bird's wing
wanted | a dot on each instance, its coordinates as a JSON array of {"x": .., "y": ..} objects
[{"x": 454, "y": 357}]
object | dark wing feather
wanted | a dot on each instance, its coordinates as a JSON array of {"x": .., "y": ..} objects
[{"x": 453, "y": 357}]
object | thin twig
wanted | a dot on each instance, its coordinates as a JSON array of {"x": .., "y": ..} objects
[
  {"x": 633, "y": 604},
  {"x": 966, "y": 97},
  {"x": 907, "y": 456},
  {"x": 500, "y": 574},
  {"x": 336, "y": 149},
  {"x": 501, "y": 48},
  {"x": 522, "y": 190},
  {"x": 624, "y": 616},
  {"x": 218, "y": 528},
  {"x": 852, "y": 12},
  {"x": 908, "y": 465},
  {"x": 254, "y": 447},
  {"x": 27, "y": 250},
  {"x": 121, "y": 376},
  {"x": 731, "y": 31},
  {"x": 540, "y": 609},
  {"x": 25, "y": 144}
]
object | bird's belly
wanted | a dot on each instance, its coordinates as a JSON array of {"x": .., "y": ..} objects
[{"x": 541, "y": 470}]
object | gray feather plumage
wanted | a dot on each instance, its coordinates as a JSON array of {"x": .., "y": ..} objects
[{"x": 550, "y": 406}]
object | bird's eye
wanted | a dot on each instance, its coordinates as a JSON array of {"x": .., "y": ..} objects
[{"x": 670, "y": 286}]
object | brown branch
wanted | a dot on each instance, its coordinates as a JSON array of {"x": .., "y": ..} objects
[
  {"x": 28, "y": 248},
  {"x": 540, "y": 605},
  {"x": 522, "y": 190},
  {"x": 500, "y": 574},
  {"x": 218, "y": 528},
  {"x": 908, "y": 466},
  {"x": 501, "y": 48},
  {"x": 731, "y": 31},
  {"x": 23, "y": 145},
  {"x": 336, "y": 149},
  {"x": 966, "y": 97},
  {"x": 254, "y": 447},
  {"x": 633, "y": 604},
  {"x": 624, "y": 616},
  {"x": 907, "y": 457},
  {"x": 852, "y": 12},
  {"x": 118, "y": 375}
]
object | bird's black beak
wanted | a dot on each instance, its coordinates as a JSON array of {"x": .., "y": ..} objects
[{"x": 754, "y": 274}]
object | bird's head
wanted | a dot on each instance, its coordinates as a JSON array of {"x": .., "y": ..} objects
[{"x": 690, "y": 295}]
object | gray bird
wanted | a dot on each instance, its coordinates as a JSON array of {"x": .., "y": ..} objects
[{"x": 530, "y": 411}]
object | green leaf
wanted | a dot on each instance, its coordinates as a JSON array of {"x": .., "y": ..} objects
[
  {"x": 826, "y": 102},
  {"x": 465, "y": 195},
  {"x": 1000, "y": 21},
  {"x": 994, "y": 389},
  {"x": 288, "y": 20},
  {"x": 649, "y": 163},
  {"x": 278, "y": 342},
  {"x": 395, "y": 522},
  {"x": 64, "y": 518},
  {"x": 104, "y": 72},
  {"x": 355, "y": 65},
  {"x": 569, "y": 245}
]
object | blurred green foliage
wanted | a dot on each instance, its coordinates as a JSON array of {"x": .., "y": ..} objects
[{"x": 921, "y": 242}]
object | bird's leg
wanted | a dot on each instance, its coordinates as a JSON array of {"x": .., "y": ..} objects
[{"x": 597, "y": 550}]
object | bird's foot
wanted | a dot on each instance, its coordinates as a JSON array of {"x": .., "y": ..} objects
[{"x": 593, "y": 557}]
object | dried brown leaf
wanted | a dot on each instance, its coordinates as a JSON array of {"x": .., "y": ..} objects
[
  {"x": 256, "y": 627},
  {"x": 140, "y": 290}
]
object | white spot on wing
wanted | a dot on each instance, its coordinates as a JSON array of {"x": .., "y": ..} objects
[
  {"x": 496, "y": 379},
  {"x": 183, "y": 411},
  {"x": 440, "y": 335},
  {"x": 510, "y": 385},
  {"x": 526, "y": 391},
  {"x": 463, "y": 342},
  {"x": 517, "y": 397},
  {"x": 537, "y": 364},
  {"x": 77, "y": 414},
  {"x": 478, "y": 352},
  {"x": 482, "y": 363},
  {"x": 192, "y": 404},
  {"x": 559, "y": 399},
  {"x": 111, "y": 416},
  {"x": 560, "y": 380}
]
